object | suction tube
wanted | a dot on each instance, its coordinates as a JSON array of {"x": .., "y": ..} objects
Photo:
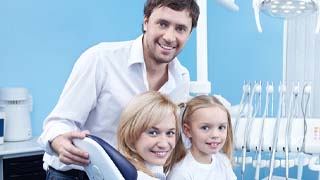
[
  {"x": 304, "y": 107},
  {"x": 282, "y": 91},
  {"x": 292, "y": 111},
  {"x": 269, "y": 90},
  {"x": 243, "y": 102},
  {"x": 250, "y": 116}
]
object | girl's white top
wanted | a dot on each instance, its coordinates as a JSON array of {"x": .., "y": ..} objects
[{"x": 190, "y": 169}]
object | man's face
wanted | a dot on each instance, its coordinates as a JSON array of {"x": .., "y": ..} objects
[{"x": 166, "y": 32}]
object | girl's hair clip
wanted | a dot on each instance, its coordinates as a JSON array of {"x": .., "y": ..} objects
[{"x": 182, "y": 105}]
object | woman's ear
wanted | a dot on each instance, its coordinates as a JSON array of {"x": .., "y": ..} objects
[{"x": 186, "y": 130}]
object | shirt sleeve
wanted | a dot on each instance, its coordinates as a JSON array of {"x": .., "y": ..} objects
[
  {"x": 81, "y": 90},
  {"x": 77, "y": 99},
  {"x": 52, "y": 129}
]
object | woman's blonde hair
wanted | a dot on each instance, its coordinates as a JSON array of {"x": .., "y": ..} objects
[
  {"x": 205, "y": 101},
  {"x": 143, "y": 112}
]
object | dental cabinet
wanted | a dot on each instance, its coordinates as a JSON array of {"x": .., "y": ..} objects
[{"x": 21, "y": 160}]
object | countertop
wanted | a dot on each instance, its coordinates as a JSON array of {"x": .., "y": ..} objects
[{"x": 20, "y": 147}]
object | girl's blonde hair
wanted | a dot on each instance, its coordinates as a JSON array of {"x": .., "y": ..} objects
[
  {"x": 205, "y": 101},
  {"x": 143, "y": 112}
]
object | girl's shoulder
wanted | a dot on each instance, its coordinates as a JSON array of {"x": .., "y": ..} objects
[
  {"x": 223, "y": 166},
  {"x": 221, "y": 156},
  {"x": 222, "y": 160}
]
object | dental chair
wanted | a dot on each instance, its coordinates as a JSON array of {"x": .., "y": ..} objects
[{"x": 106, "y": 162}]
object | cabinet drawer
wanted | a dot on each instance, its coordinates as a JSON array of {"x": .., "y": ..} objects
[{"x": 23, "y": 168}]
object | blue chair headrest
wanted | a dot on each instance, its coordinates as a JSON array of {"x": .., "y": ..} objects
[{"x": 128, "y": 171}]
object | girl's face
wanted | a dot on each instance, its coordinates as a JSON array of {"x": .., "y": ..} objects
[
  {"x": 156, "y": 144},
  {"x": 207, "y": 130}
]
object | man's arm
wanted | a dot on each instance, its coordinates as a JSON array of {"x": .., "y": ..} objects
[{"x": 56, "y": 139}]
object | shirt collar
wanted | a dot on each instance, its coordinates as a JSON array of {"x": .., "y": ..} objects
[{"x": 136, "y": 52}]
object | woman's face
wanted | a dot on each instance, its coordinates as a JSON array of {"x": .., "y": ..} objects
[{"x": 156, "y": 144}]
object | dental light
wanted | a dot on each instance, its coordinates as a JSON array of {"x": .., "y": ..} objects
[{"x": 286, "y": 9}]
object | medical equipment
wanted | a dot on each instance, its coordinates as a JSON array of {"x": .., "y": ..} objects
[
  {"x": 202, "y": 85},
  {"x": 269, "y": 93},
  {"x": 291, "y": 113},
  {"x": 240, "y": 109},
  {"x": 304, "y": 107},
  {"x": 250, "y": 116},
  {"x": 285, "y": 9},
  {"x": 282, "y": 92},
  {"x": 292, "y": 133},
  {"x": 229, "y": 4},
  {"x": 105, "y": 161},
  {"x": 314, "y": 164},
  {"x": 312, "y": 144},
  {"x": 16, "y": 103}
]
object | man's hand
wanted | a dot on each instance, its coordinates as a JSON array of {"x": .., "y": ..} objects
[{"x": 67, "y": 152}]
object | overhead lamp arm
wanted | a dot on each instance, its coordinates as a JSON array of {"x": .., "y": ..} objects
[{"x": 229, "y": 4}]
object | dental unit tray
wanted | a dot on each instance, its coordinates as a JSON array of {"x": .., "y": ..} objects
[
  {"x": 296, "y": 134},
  {"x": 106, "y": 162}
]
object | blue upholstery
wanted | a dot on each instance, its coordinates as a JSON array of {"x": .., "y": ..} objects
[{"x": 128, "y": 171}]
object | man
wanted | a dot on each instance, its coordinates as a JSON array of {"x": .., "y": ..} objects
[{"x": 108, "y": 75}]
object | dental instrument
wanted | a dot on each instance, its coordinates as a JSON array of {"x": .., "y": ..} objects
[
  {"x": 250, "y": 116},
  {"x": 269, "y": 91},
  {"x": 282, "y": 92},
  {"x": 243, "y": 102},
  {"x": 292, "y": 112},
  {"x": 241, "y": 109},
  {"x": 304, "y": 107}
]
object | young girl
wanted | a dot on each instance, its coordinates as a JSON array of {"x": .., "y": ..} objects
[
  {"x": 148, "y": 135},
  {"x": 207, "y": 123}
]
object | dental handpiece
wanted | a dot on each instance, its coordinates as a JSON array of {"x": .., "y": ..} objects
[
  {"x": 291, "y": 113},
  {"x": 282, "y": 91},
  {"x": 248, "y": 104},
  {"x": 269, "y": 91},
  {"x": 256, "y": 90},
  {"x": 243, "y": 103},
  {"x": 244, "y": 99},
  {"x": 304, "y": 107}
]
